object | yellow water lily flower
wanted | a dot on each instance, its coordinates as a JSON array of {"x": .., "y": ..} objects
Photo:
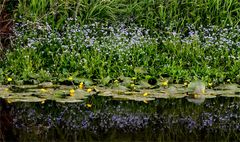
[
  {"x": 89, "y": 90},
  {"x": 196, "y": 96},
  {"x": 89, "y": 105},
  {"x": 70, "y": 78},
  {"x": 164, "y": 83},
  {"x": 185, "y": 84},
  {"x": 210, "y": 84},
  {"x": 71, "y": 92},
  {"x": 116, "y": 81},
  {"x": 145, "y": 94},
  {"x": 81, "y": 85},
  {"x": 43, "y": 90},
  {"x": 9, "y": 79},
  {"x": 42, "y": 102}
]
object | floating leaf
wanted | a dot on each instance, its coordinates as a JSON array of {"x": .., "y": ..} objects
[
  {"x": 106, "y": 80},
  {"x": 196, "y": 87},
  {"x": 144, "y": 84},
  {"x": 133, "y": 97},
  {"x": 25, "y": 99},
  {"x": 107, "y": 94},
  {"x": 234, "y": 87},
  {"x": 68, "y": 101}
]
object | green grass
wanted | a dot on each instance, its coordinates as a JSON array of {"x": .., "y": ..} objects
[{"x": 150, "y": 13}]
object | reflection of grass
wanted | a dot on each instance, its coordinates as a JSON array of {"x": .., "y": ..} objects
[{"x": 162, "y": 120}]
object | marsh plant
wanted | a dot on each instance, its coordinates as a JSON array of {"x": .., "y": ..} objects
[
  {"x": 99, "y": 50},
  {"x": 150, "y": 13}
]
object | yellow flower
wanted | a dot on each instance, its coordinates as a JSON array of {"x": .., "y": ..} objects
[
  {"x": 89, "y": 90},
  {"x": 145, "y": 101},
  {"x": 71, "y": 92},
  {"x": 89, "y": 105},
  {"x": 81, "y": 85},
  {"x": 70, "y": 78},
  {"x": 42, "y": 102},
  {"x": 145, "y": 94},
  {"x": 210, "y": 84},
  {"x": 196, "y": 96},
  {"x": 185, "y": 84},
  {"x": 43, "y": 90},
  {"x": 116, "y": 81},
  {"x": 9, "y": 79},
  {"x": 6, "y": 89},
  {"x": 165, "y": 83}
]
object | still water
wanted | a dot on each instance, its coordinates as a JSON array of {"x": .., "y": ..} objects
[{"x": 113, "y": 120}]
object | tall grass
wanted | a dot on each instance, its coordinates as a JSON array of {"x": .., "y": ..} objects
[{"x": 150, "y": 13}]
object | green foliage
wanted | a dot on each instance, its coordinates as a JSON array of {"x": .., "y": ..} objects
[
  {"x": 58, "y": 38},
  {"x": 98, "y": 51},
  {"x": 150, "y": 13}
]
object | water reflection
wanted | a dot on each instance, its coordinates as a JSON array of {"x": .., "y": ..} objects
[
  {"x": 6, "y": 122},
  {"x": 114, "y": 120}
]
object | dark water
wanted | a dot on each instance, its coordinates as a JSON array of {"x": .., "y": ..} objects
[{"x": 108, "y": 120}]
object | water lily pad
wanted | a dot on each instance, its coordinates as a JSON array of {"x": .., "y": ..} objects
[
  {"x": 234, "y": 87},
  {"x": 25, "y": 99},
  {"x": 107, "y": 94},
  {"x": 125, "y": 80},
  {"x": 69, "y": 100},
  {"x": 144, "y": 84},
  {"x": 196, "y": 87},
  {"x": 230, "y": 95},
  {"x": 133, "y": 97},
  {"x": 45, "y": 85}
]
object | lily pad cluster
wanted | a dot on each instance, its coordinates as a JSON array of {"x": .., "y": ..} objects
[{"x": 122, "y": 89}]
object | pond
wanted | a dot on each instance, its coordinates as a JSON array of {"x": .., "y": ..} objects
[{"x": 96, "y": 117}]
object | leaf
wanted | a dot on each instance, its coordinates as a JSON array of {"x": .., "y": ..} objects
[
  {"x": 106, "y": 80},
  {"x": 140, "y": 70},
  {"x": 196, "y": 87}
]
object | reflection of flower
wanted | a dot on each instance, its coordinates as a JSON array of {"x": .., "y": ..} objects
[
  {"x": 89, "y": 105},
  {"x": 9, "y": 79},
  {"x": 71, "y": 92},
  {"x": 81, "y": 85}
]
